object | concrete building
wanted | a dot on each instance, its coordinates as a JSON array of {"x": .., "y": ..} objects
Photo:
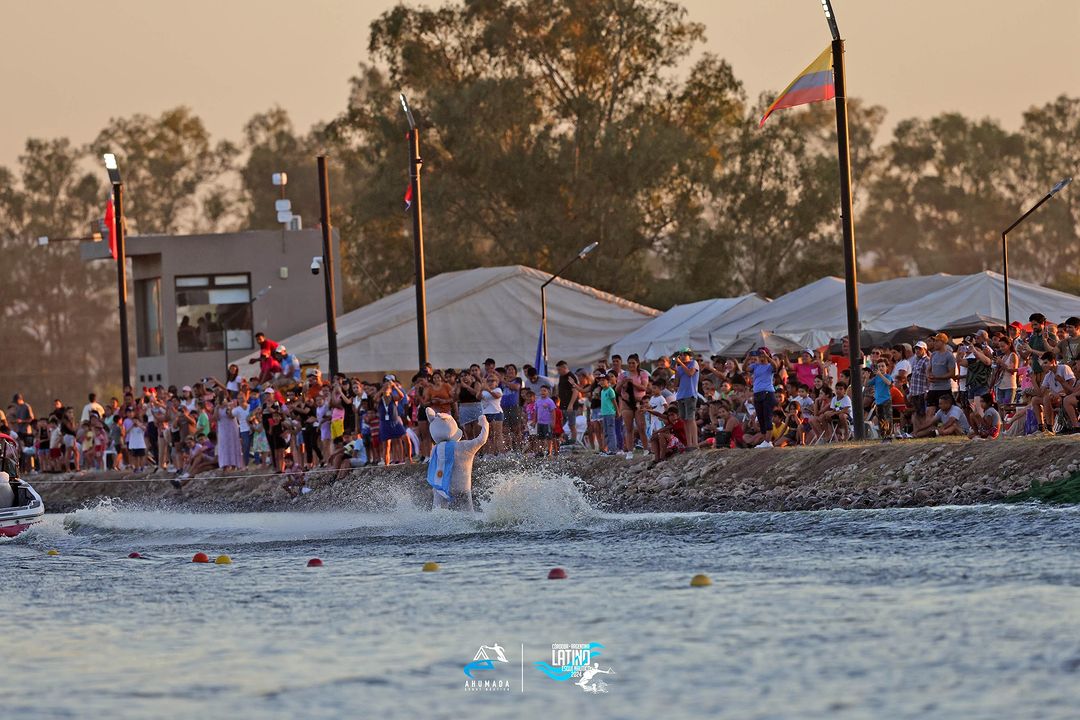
[{"x": 196, "y": 298}]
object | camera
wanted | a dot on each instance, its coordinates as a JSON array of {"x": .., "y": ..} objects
[{"x": 316, "y": 264}]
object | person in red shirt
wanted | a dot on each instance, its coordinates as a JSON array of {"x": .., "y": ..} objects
[
  {"x": 268, "y": 367},
  {"x": 669, "y": 439}
]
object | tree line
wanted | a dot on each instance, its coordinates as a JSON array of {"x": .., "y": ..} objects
[{"x": 546, "y": 126}]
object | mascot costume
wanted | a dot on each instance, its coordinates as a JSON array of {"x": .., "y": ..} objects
[{"x": 450, "y": 467}]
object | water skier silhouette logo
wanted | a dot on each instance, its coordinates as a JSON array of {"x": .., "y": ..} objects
[
  {"x": 589, "y": 685},
  {"x": 575, "y": 660},
  {"x": 483, "y": 659}
]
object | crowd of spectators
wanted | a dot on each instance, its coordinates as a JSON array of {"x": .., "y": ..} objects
[{"x": 1020, "y": 381}]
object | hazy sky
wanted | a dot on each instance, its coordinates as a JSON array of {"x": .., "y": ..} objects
[{"x": 70, "y": 65}]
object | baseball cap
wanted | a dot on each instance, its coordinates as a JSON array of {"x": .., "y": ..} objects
[
  {"x": 808, "y": 351},
  {"x": 389, "y": 378},
  {"x": 186, "y": 388},
  {"x": 1016, "y": 324},
  {"x": 921, "y": 344},
  {"x": 941, "y": 337},
  {"x": 684, "y": 351}
]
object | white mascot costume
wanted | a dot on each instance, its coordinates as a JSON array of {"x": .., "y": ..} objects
[{"x": 450, "y": 467}]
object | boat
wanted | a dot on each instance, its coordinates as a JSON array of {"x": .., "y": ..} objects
[{"x": 20, "y": 505}]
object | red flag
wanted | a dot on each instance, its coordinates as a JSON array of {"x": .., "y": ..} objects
[
  {"x": 110, "y": 227},
  {"x": 408, "y": 197}
]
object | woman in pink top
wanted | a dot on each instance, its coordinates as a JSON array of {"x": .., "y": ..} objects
[{"x": 631, "y": 390}]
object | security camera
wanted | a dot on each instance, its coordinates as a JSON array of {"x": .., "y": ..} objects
[{"x": 316, "y": 263}]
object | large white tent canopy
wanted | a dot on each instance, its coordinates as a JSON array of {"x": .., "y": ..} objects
[
  {"x": 685, "y": 326},
  {"x": 817, "y": 313},
  {"x": 475, "y": 314}
]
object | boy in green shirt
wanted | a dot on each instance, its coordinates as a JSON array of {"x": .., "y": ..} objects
[{"x": 607, "y": 413}]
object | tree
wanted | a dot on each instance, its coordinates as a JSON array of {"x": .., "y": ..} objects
[
  {"x": 57, "y": 335},
  {"x": 1045, "y": 248},
  {"x": 272, "y": 145},
  {"x": 171, "y": 171},
  {"x": 947, "y": 191},
  {"x": 546, "y": 126}
]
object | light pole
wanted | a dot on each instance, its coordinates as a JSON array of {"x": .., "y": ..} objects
[
  {"x": 847, "y": 222},
  {"x": 121, "y": 261},
  {"x": 282, "y": 205},
  {"x": 415, "y": 163},
  {"x": 251, "y": 314},
  {"x": 543, "y": 294},
  {"x": 1005, "y": 242},
  {"x": 328, "y": 265}
]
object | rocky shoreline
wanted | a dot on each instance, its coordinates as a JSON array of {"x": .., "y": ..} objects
[{"x": 852, "y": 475}]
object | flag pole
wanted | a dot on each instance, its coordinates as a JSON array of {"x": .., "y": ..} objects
[
  {"x": 415, "y": 163},
  {"x": 847, "y": 223}
]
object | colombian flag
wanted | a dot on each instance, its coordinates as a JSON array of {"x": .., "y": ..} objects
[{"x": 814, "y": 84}]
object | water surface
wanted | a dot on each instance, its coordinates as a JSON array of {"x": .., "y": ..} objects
[{"x": 969, "y": 612}]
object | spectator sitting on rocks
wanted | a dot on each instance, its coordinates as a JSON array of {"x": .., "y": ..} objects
[
  {"x": 1058, "y": 384},
  {"x": 985, "y": 419},
  {"x": 949, "y": 420},
  {"x": 670, "y": 438},
  {"x": 202, "y": 457},
  {"x": 729, "y": 431}
]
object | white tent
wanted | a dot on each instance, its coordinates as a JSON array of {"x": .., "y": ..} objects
[
  {"x": 828, "y": 319},
  {"x": 817, "y": 313},
  {"x": 475, "y": 314},
  {"x": 685, "y": 326},
  {"x": 784, "y": 310},
  {"x": 982, "y": 293},
  {"x": 754, "y": 339}
]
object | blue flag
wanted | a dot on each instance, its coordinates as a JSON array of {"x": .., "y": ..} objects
[{"x": 541, "y": 361}]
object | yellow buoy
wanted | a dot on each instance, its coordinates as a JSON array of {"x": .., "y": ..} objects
[
  {"x": 700, "y": 580},
  {"x": 223, "y": 560},
  {"x": 52, "y": 552},
  {"x": 430, "y": 566}
]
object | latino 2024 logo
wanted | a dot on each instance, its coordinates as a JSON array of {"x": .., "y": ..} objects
[
  {"x": 569, "y": 661},
  {"x": 576, "y": 661}
]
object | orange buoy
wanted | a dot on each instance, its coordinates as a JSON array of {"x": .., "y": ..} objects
[
  {"x": 200, "y": 557},
  {"x": 314, "y": 562},
  {"x": 557, "y": 574}
]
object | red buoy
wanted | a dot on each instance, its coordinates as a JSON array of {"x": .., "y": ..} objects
[
  {"x": 200, "y": 557},
  {"x": 314, "y": 562},
  {"x": 135, "y": 556},
  {"x": 557, "y": 574}
]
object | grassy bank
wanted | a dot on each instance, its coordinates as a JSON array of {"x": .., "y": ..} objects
[{"x": 1064, "y": 491}]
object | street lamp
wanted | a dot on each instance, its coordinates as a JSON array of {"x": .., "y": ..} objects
[
  {"x": 543, "y": 297},
  {"x": 251, "y": 313},
  {"x": 121, "y": 261},
  {"x": 1005, "y": 243},
  {"x": 415, "y": 163}
]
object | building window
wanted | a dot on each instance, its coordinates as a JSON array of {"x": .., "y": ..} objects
[
  {"x": 149, "y": 341},
  {"x": 213, "y": 309}
]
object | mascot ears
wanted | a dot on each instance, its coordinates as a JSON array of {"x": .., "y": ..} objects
[{"x": 442, "y": 426}]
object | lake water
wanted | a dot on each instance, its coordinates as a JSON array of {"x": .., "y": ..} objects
[{"x": 969, "y": 612}]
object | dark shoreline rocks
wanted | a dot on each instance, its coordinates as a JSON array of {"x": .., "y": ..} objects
[{"x": 853, "y": 475}]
